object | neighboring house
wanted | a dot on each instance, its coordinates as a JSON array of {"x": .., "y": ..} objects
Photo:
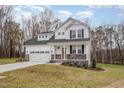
[{"x": 69, "y": 42}]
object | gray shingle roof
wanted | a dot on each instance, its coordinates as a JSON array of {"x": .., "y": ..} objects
[
  {"x": 52, "y": 40},
  {"x": 34, "y": 41},
  {"x": 47, "y": 32}
]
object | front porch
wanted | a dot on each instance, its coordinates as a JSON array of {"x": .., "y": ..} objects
[
  {"x": 70, "y": 57},
  {"x": 69, "y": 53}
]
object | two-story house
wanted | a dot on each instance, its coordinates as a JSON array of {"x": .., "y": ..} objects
[{"x": 69, "y": 42}]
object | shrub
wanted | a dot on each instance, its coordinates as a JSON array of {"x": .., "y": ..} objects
[
  {"x": 85, "y": 65},
  {"x": 93, "y": 63},
  {"x": 52, "y": 61}
]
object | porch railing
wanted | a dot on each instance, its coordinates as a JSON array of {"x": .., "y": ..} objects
[
  {"x": 76, "y": 56},
  {"x": 57, "y": 56},
  {"x": 69, "y": 56}
]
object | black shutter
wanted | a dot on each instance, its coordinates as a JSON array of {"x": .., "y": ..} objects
[
  {"x": 70, "y": 34},
  {"x": 82, "y": 33},
  {"x": 70, "y": 49},
  {"x": 82, "y": 49}
]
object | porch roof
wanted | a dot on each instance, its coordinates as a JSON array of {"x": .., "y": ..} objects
[{"x": 52, "y": 40}]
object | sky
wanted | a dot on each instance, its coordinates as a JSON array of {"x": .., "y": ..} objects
[{"x": 97, "y": 15}]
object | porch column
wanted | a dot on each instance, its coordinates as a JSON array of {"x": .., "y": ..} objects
[
  {"x": 54, "y": 52},
  {"x": 64, "y": 52}
]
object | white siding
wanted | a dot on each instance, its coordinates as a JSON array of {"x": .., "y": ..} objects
[
  {"x": 62, "y": 29},
  {"x": 66, "y": 34},
  {"x": 37, "y": 48}
]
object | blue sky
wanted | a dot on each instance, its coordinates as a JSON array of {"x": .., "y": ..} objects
[{"x": 96, "y": 15}]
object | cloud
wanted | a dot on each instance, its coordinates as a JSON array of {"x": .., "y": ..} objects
[
  {"x": 36, "y": 8},
  {"x": 85, "y": 14},
  {"x": 99, "y": 6},
  {"x": 120, "y": 9},
  {"x": 26, "y": 11},
  {"x": 66, "y": 13},
  {"x": 63, "y": 14},
  {"x": 18, "y": 9},
  {"x": 19, "y": 16}
]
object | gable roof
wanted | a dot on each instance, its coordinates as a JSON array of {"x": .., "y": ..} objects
[
  {"x": 76, "y": 20},
  {"x": 34, "y": 41}
]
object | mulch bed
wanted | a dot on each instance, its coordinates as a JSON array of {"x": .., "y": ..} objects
[
  {"x": 96, "y": 69},
  {"x": 89, "y": 68}
]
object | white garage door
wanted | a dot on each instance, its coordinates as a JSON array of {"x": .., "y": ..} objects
[{"x": 40, "y": 57}]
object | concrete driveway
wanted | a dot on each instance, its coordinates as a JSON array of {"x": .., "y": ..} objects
[{"x": 14, "y": 66}]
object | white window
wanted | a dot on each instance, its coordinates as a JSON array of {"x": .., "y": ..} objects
[
  {"x": 58, "y": 47},
  {"x": 59, "y": 33},
  {"x": 72, "y": 34},
  {"x": 46, "y": 36},
  {"x": 62, "y": 33},
  {"x": 73, "y": 49},
  {"x": 32, "y": 52},
  {"x": 42, "y": 36},
  {"x": 80, "y": 33},
  {"x": 79, "y": 49},
  {"x": 39, "y": 36}
]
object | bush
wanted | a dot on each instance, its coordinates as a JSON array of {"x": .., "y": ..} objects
[
  {"x": 52, "y": 61},
  {"x": 93, "y": 63},
  {"x": 85, "y": 65}
]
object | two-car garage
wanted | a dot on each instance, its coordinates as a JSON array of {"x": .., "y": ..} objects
[
  {"x": 38, "y": 53},
  {"x": 40, "y": 57}
]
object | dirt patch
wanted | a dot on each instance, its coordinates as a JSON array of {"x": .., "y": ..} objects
[{"x": 118, "y": 84}]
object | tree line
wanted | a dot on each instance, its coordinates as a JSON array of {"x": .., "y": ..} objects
[
  {"x": 10, "y": 33},
  {"x": 108, "y": 44},
  {"x": 13, "y": 35}
]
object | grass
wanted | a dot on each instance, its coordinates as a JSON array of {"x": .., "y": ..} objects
[
  {"x": 62, "y": 76},
  {"x": 7, "y": 60}
]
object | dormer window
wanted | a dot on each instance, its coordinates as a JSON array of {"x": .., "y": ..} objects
[
  {"x": 42, "y": 36},
  {"x": 39, "y": 36},
  {"x": 45, "y": 35}
]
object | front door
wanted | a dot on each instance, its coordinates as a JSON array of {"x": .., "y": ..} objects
[{"x": 62, "y": 53}]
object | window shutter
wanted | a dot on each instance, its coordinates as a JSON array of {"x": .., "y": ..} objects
[
  {"x": 82, "y": 49},
  {"x": 70, "y": 49},
  {"x": 82, "y": 33},
  {"x": 70, "y": 34}
]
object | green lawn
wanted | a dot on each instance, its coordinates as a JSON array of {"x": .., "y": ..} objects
[
  {"x": 62, "y": 76},
  {"x": 7, "y": 60}
]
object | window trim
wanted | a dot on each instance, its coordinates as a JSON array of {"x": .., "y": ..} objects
[
  {"x": 73, "y": 34},
  {"x": 79, "y": 48},
  {"x": 58, "y": 33},
  {"x": 73, "y": 49},
  {"x": 63, "y": 33},
  {"x": 80, "y": 32}
]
